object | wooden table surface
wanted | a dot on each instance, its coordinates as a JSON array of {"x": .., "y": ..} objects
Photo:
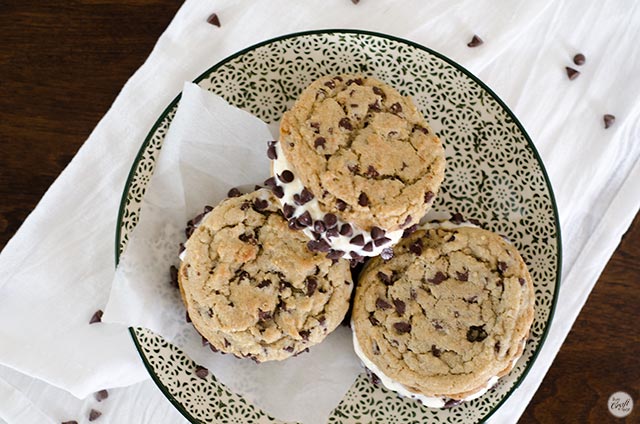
[{"x": 62, "y": 63}]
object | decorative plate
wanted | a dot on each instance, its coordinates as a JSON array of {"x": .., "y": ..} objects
[{"x": 494, "y": 174}]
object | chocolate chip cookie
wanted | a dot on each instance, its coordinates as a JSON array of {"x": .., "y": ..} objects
[
  {"x": 253, "y": 289},
  {"x": 446, "y": 316},
  {"x": 355, "y": 164}
]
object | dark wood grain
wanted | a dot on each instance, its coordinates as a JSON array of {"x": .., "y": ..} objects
[{"x": 62, "y": 63}]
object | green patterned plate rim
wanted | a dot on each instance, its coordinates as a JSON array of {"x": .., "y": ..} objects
[{"x": 127, "y": 214}]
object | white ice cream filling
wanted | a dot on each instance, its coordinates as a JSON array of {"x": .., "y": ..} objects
[{"x": 365, "y": 245}]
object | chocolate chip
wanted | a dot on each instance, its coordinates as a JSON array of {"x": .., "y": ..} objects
[
  {"x": 457, "y": 218},
  {"x": 304, "y": 197},
  {"x": 363, "y": 200},
  {"x": 288, "y": 348},
  {"x": 572, "y": 73},
  {"x": 201, "y": 371},
  {"x": 579, "y": 59},
  {"x": 187, "y": 317},
  {"x": 322, "y": 320},
  {"x": 330, "y": 220},
  {"x": 400, "y": 306},
  {"x": 375, "y": 106},
  {"x": 319, "y": 142},
  {"x": 312, "y": 285},
  {"x": 357, "y": 81},
  {"x": 608, "y": 120},
  {"x": 319, "y": 227},
  {"x": 305, "y": 219},
  {"x": 315, "y": 126},
  {"x": 422, "y": 129},
  {"x": 330, "y": 84},
  {"x": 437, "y": 324},
  {"x": 318, "y": 246},
  {"x": 475, "y": 41},
  {"x": 377, "y": 232},
  {"x": 368, "y": 247},
  {"x": 346, "y": 124},
  {"x": 402, "y": 327},
  {"x": 472, "y": 300},
  {"x": 386, "y": 279},
  {"x": 428, "y": 196},
  {"x": 373, "y": 319},
  {"x": 346, "y": 230},
  {"x": 395, "y": 108},
  {"x": 214, "y": 20},
  {"x": 189, "y": 231},
  {"x": 294, "y": 224},
  {"x": 304, "y": 334},
  {"x": 101, "y": 395},
  {"x": 286, "y": 176},
  {"x": 378, "y": 91},
  {"x": 416, "y": 247},
  {"x": 247, "y": 238},
  {"x": 381, "y": 241},
  {"x": 245, "y": 205},
  {"x": 204, "y": 341},
  {"x": 452, "y": 238},
  {"x": 521, "y": 281},
  {"x": 226, "y": 343},
  {"x": 335, "y": 254},
  {"x": 387, "y": 253},
  {"x": 270, "y": 182},
  {"x": 264, "y": 283},
  {"x": 173, "y": 272},
  {"x": 496, "y": 347},
  {"x": 260, "y": 204},
  {"x": 353, "y": 168},
  {"x": 271, "y": 153},
  {"x": 502, "y": 267},
  {"x": 435, "y": 351},
  {"x": 278, "y": 191},
  {"x": 288, "y": 210},
  {"x": 462, "y": 276},
  {"x": 438, "y": 278},
  {"x": 97, "y": 317},
  {"x": 382, "y": 304},
  {"x": 409, "y": 230},
  {"x": 234, "y": 192},
  {"x": 475, "y": 222},
  {"x": 451, "y": 403},
  {"x": 213, "y": 348},
  {"x": 70, "y": 422},
  {"x": 357, "y": 240},
  {"x": 407, "y": 221},
  {"x": 476, "y": 333},
  {"x": 94, "y": 414}
]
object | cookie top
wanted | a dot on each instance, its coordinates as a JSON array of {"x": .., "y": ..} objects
[
  {"x": 364, "y": 151},
  {"x": 447, "y": 314},
  {"x": 251, "y": 286}
]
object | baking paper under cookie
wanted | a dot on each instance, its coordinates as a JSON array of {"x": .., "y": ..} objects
[{"x": 210, "y": 148}]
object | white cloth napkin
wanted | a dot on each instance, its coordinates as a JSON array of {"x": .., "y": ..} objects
[{"x": 57, "y": 269}]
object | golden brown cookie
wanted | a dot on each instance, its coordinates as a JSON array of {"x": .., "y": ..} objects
[
  {"x": 354, "y": 150},
  {"x": 253, "y": 289},
  {"x": 446, "y": 316}
]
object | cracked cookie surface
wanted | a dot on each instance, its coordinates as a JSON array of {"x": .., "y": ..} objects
[
  {"x": 447, "y": 313},
  {"x": 251, "y": 286},
  {"x": 364, "y": 151}
]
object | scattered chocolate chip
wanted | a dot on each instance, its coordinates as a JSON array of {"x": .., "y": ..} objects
[
  {"x": 386, "y": 254},
  {"x": 368, "y": 247},
  {"x": 381, "y": 241},
  {"x": 402, "y": 327},
  {"x": 319, "y": 227},
  {"x": 346, "y": 124},
  {"x": 315, "y": 126},
  {"x": 270, "y": 182},
  {"x": 332, "y": 232},
  {"x": 214, "y": 20},
  {"x": 476, "y": 333},
  {"x": 312, "y": 285},
  {"x": 437, "y": 324},
  {"x": 409, "y": 230},
  {"x": 421, "y": 128},
  {"x": 286, "y": 176},
  {"x": 357, "y": 240},
  {"x": 475, "y": 222},
  {"x": 278, "y": 191},
  {"x": 318, "y": 246},
  {"x": 457, "y": 218},
  {"x": 335, "y": 254},
  {"x": 271, "y": 153},
  {"x": 226, "y": 343},
  {"x": 305, "y": 196},
  {"x": 435, "y": 351},
  {"x": 346, "y": 230},
  {"x": 187, "y": 317},
  {"x": 234, "y": 192},
  {"x": 288, "y": 210},
  {"x": 246, "y": 238},
  {"x": 384, "y": 278},
  {"x": 189, "y": 231},
  {"x": 201, "y": 371},
  {"x": 304, "y": 334},
  {"x": 330, "y": 84},
  {"x": 101, "y": 395},
  {"x": 305, "y": 219},
  {"x": 608, "y": 120},
  {"x": 341, "y": 205},
  {"x": 378, "y": 91},
  {"x": 181, "y": 248},
  {"x": 264, "y": 315},
  {"x": 353, "y": 168},
  {"x": 94, "y": 414},
  {"x": 288, "y": 348},
  {"x": 382, "y": 304},
  {"x": 260, "y": 204},
  {"x": 572, "y": 73},
  {"x": 330, "y": 220},
  {"x": 294, "y": 224},
  {"x": 70, "y": 422},
  {"x": 377, "y": 232},
  {"x": 416, "y": 247},
  {"x": 373, "y": 319},
  {"x": 213, "y": 348},
  {"x": 357, "y": 81},
  {"x": 438, "y": 278},
  {"x": 245, "y": 205},
  {"x": 428, "y": 196},
  {"x": 363, "y": 200},
  {"x": 452, "y": 238},
  {"x": 475, "y": 41},
  {"x": 264, "y": 283},
  {"x": 322, "y": 320},
  {"x": 407, "y": 221},
  {"x": 356, "y": 256},
  {"x": 521, "y": 281},
  {"x": 395, "y": 108},
  {"x": 502, "y": 267},
  {"x": 173, "y": 273},
  {"x": 579, "y": 59},
  {"x": 462, "y": 276},
  {"x": 97, "y": 317},
  {"x": 400, "y": 306},
  {"x": 319, "y": 142},
  {"x": 451, "y": 403},
  {"x": 375, "y": 106},
  {"x": 204, "y": 341}
]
